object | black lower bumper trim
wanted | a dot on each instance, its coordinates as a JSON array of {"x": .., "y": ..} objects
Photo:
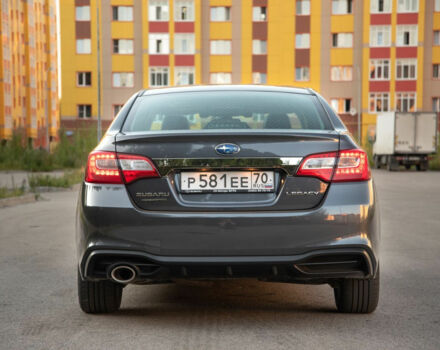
[{"x": 313, "y": 265}]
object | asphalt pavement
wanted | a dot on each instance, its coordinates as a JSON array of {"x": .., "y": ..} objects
[{"x": 39, "y": 309}]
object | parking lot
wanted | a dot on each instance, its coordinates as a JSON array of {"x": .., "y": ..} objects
[{"x": 39, "y": 310}]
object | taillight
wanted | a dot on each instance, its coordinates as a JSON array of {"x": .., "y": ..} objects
[
  {"x": 102, "y": 167},
  {"x": 347, "y": 165},
  {"x": 352, "y": 166}
]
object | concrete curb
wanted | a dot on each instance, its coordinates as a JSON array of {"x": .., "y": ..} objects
[{"x": 12, "y": 201}]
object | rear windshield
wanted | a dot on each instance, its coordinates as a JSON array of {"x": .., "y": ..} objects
[{"x": 226, "y": 110}]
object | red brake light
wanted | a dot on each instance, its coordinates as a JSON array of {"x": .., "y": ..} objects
[
  {"x": 351, "y": 165},
  {"x": 102, "y": 167}
]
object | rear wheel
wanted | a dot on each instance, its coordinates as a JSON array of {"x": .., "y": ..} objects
[
  {"x": 392, "y": 164},
  {"x": 376, "y": 162},
  {"x": 422, "y": 166},
  {"x": 357, "y": 295},
  {"x": 99, "y": 297}
]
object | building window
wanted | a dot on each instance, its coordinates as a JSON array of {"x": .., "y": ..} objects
[
  {"x": 436, "y": 104},
  {"x": 184, "y": 75},
  {"x": 406, "y": 35},
  {"x": 220, "y": 14},
  {"x": 184, "y": 44},
  {"x": 341, "y": 73},
  {"x": 436, "y": 71},
  {"x": 158, "y": 10},
  {"x": 123, "y": 13},
  {"x": 159, "y": 44},
  {"x": 436, "y": 37},
  {"x": 159, "y": 76},
  {"x": 123, "y": 46},
  {"x": 84, "y": 111},
  {"x": 302, "y": 41},
  {"x": 220, "y": 78},
  {"x": 342, "y": 7},
  {"x": 380, "y": 6},
  {"x": 84, "y": 79},
  {"x": 406, "y": 102},
  {"x": 341, "y": 105},
  {"x": 379, "y": 69},
  {"x": 380, "y": 36},
  {"x": 123, "y": 79},
  {"x": 379, "y": 102},
  {"x": 83, "y": 46},
  {"x": 220, "y": 47},
  {"x": 303, "y": 7},
  {"x": 342, "y": 40},
  {"x": 406, "y": 69},
  {"x": 259, "y": 47},
  {"x": 407, "y": 5},
  {"x": 259, "y": 13},
  {"x": 259, "y": 78},
  {"x": 184, "y": 10},
  {"x": 82, "y": 13},
  {"x": 302, "y": 74},
  {"x": 116, "y": 109}
]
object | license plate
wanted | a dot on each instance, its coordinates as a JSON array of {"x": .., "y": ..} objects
[{"x": 227, "y": 181}]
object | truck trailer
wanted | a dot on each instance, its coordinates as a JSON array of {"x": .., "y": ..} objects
[{"x": 405, "y": 138}]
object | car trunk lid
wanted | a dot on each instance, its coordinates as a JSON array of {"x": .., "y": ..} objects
[{"x": 278, "y": 153}]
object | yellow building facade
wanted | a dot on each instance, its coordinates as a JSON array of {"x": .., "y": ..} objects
[
  {"x": 364, "y": 56},
  {"x": 29, "y": 71}
]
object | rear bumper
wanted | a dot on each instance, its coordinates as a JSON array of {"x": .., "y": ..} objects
[{"x": 237, "y": 244}]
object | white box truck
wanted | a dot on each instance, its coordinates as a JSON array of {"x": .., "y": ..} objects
[{"x": 404, "y": 138}]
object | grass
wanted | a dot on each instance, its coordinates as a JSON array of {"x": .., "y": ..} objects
[
  {"x": 368, "y": 147},
  {"x": 69, "y": 152},
  {"x": 68, "y": 179},
  {"x": 434, "y": 160},
  {"x": 14, "y": 192}
]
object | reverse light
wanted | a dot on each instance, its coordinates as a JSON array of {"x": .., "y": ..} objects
[
  {"x": 347, "y": 165},
  {"x": 136, "y": 167},
  {"x": 102, "y": 167},
  {"x": 319, "y": 165}
]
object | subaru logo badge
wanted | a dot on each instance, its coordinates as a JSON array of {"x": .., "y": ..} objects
[{"x": 227, "y": 148}]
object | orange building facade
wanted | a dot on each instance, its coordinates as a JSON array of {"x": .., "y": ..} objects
[
  {"x": 28, "y": 71},
  {"x": 364, "y": 56}
]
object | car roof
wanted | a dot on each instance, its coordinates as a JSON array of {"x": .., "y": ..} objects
[{"x": 197, "y": 88}]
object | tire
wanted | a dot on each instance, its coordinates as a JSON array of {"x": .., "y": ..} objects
[
  {"x": 392, "y": 164},
  {"x": 422, "y": 166},
  {"x": 357, "y": 295},
  {"x": 99, "y": 297},
  {"x": 376, "y": 162}
]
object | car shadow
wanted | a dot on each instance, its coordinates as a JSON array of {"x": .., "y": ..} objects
[{"x": 236, "y": 301}]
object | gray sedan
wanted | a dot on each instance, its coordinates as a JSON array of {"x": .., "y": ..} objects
[{"x": 227, "y": 182}]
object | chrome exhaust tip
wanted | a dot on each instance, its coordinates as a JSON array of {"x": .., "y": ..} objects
[{"x": 123, "y": 274}]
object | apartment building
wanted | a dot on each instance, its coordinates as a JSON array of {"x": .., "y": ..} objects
[
  {"x": 28, "y": 70},
  {"x": 363, "y": 56}
]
